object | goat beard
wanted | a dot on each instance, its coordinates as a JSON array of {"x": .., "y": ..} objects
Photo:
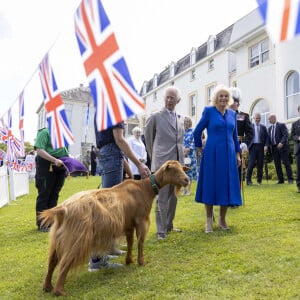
[{"x": 177, "y": 189}]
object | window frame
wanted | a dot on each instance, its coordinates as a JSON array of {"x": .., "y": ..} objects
[
  {"x": 292, "y": 94},
  {"x": 258, "y": 53}
]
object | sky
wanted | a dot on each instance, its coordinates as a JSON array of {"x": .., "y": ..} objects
[{"x": 150, "y": 33}]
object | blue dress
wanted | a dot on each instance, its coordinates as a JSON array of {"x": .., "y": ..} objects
[
  {"x": 218, "y": 181},
  {"x": 188, "y": 142}
]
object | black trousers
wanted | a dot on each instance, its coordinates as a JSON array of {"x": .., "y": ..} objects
[
  {"x": 48, "y": 181},
  {"x": 278, "y": 156},
  {"x": 256, "y": 158},
  {"x": 297, "y": 158}
]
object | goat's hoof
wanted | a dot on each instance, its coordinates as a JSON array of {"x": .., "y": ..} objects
[
  {"x": 59, "y": 293},
  {"x": 47, "y": 287},
  {"x": 129, "y": 261}
]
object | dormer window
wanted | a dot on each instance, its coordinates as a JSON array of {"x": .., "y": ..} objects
[
  {"x": 193, "y": 57},
  {"x": 155, "y": 81},
  {"x": 145, "y": 84},
  {"x": 172, "y": 69},
  {"x": 211, "y": 43}
]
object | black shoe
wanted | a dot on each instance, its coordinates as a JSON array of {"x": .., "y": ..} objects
[
  {"x": 298, "y": 190},
  {"x": 249, "y": 183},
  {"x": 291, "y": 181},
  {"x": 161, "y": 236},
  {"x": 280, "y": 182},
  {"x": 259, "y": 182}
]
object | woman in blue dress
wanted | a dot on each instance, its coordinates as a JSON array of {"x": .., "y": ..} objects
[
  {"x": 218, "y": 181},
  {"x": 189, "y": 152}
]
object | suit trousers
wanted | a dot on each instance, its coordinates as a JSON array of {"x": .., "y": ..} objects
[
  {"x": 278, "y": 156},
  {"x": 256, "y": 157},
  {"x": 166, "y": 203}
]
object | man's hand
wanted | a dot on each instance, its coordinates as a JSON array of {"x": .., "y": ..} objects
[{"x": 144, "y": 170}]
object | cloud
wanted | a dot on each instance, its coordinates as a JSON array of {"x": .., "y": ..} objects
[{"x": 5, "y": 28}]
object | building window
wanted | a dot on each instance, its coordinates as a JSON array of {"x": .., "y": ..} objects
[
  {"x": 231, "y": 62},
  {"x": 154, "y": 96},
  {"x": 193, "y": 57},
  {"x": 211, "y": 44},
  {"x": 259, "y": 53},
  {"x": 192, "y": 105},
  {"x": 193, "y": 74},
  {"x": 292, "y": 95},
  {"x": 211, "y": 64},
  {"x": 209, "y": 92}
]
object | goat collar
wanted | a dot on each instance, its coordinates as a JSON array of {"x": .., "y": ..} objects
[{"x": 154, "y": 184}]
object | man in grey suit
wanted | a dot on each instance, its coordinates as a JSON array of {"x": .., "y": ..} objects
[
  {"x": 295, "y": 134},
  {"x": 164, "y": 132}
]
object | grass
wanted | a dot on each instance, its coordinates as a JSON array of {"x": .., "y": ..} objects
[{"x": 257, "y": 259}]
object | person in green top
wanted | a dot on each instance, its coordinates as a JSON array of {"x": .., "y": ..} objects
[{"x": 50, "y": 174}]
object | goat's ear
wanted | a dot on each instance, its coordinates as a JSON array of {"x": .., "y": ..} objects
[
  {"x": 185, "y": 168},
  {"x": 169, "y": 165}
]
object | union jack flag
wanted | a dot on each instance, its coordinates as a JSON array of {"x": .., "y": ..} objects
[
  {"x": 281, "y": 18},
  {"x": 13, "y": 144},
  {"x": 114, "y": 94},
  {"x": 3, "y": 130},
  {"x": 59, "y": 129},
  {"x": 21, "y": 122},
  {"x": 2, "y": 155}
]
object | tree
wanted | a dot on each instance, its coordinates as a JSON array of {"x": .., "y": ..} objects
[
  {"x": 2, "y": 146},
  {"x": 28, "y": 147}
]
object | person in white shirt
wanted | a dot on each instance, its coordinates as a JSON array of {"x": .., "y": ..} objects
[{"x": 137, "y": 146}]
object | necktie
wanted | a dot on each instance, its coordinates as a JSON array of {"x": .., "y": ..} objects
[
  {"x": 258, "y": 133},
  {"x": 273, "y": 135},
  {"x": 173, "y": 118}
]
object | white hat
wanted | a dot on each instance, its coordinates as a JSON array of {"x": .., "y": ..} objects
[{"x": 236, "y": 93}]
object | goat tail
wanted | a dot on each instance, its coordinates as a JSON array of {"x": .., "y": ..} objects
[{"x": 48, "y": 216}]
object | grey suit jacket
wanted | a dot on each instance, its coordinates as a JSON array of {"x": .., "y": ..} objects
[{"x": 163, "y": 140}]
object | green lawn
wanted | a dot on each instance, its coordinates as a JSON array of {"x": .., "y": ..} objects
[{"x": 258, "y": 259}]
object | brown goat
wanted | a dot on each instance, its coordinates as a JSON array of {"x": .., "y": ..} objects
[{"x": 89, "y": 222}]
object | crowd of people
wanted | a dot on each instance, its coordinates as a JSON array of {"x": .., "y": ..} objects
[{"x": 214, "y": 151}]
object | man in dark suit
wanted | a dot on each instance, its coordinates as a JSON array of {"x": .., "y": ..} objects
[
  {"x": 257, "y": 148},
  {"x": 295, "y": 134},
  {"x": 278, "y": 141}
]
